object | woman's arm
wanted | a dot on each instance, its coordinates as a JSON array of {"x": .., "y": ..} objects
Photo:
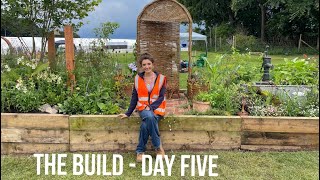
[{"x": 133, "y": 102}]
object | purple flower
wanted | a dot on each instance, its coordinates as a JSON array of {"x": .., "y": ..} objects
[{"x": 133, "y": 67}]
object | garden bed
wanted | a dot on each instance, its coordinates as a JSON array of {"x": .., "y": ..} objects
[{"x": 45, "y": 133}]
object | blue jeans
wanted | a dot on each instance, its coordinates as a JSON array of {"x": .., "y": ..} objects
[{"x": 149, "y": 127}]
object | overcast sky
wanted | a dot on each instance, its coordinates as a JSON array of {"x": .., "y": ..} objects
[{"x": 124, "y": 12}]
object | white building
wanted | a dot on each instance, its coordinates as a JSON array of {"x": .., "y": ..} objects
[
  {"x": 90, "y": 44},
  {"x": 86, "y": 44}
]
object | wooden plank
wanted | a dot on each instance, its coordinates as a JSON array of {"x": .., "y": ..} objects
[
  {"x": 281, "y": 124},
  {"x": 34, "y": 121},
  {"x": 196, "y": 123},
  {"x": 268, "y": 147},
  {"x": 202, "y": 123},
  {"x": 179, "y": 137},
  {"x": 280, "y": 139},
  {"x": 112, "y": 146},
  {"x": 205, "y": 147},
  {"x": 34, "y": 135},
  {"x": 201, "y": 137},
  {"x": 102, "y": 122},
  {"x": 97, "y": 137},
  {"x": 31, "y": 148}
]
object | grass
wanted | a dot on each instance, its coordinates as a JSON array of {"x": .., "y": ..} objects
[
  {"x": 230, "y": 165},
  {"x": 126, "y": 58},
  {"x": 275, "y": 59}
]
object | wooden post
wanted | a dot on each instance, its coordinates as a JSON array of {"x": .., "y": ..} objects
[
  {"x": 68, "y": 34},
  {"x": 318, "y": 43},
  {"x": 51, "y": 50},
  {"x": 232, "y": 41},
  {"x": 215, "y": 39},
  {"x": 299, "y": 44},
  {"x": 210, "y": 37},
  {"x": 190, "y": 50}
]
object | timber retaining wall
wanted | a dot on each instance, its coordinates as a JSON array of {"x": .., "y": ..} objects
[{"x": 46, "y": 133}]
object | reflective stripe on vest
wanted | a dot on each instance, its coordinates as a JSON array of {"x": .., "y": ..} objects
[
  {"x": 136, "y": 79},
  {"x": 161, "y": 81},
  {"x": 143, "y": 98},
  {"x": 160, "y": 109}
]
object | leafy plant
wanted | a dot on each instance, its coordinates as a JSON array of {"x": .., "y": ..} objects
[
  {"x": 296, "y": 72},
  {"x": 203, "y": 97}
]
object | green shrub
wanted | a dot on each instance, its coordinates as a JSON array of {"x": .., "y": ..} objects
[
  {"x": 203, "y": 97},
  {"x": 226, "y": 99},
  {"x": 296, "y": 72},
  {"x": 99, "y": 101},
  {"x": 246, "y": 43},
  {"x": 27, "y": 84},
  {"x": 224, "y": 30}
]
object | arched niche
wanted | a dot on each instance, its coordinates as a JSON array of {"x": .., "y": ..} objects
[{"x": 158, "y": 33}]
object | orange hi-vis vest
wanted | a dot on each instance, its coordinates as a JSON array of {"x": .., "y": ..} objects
[{"x": 145, "y": 98}]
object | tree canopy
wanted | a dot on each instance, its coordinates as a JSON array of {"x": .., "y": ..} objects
[
  {"x": 261, "y": 18},
  {"x": 39, "y": 17}
]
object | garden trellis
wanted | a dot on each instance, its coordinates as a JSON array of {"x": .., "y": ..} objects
[{"x": 158, "y": 33}]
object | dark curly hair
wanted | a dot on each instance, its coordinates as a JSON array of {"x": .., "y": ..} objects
[{"x": 145, "y": 56}]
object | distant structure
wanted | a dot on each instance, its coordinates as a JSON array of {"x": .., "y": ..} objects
[{"x": 85, "y": 44}]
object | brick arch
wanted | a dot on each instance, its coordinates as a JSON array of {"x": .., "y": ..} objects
[
  {"x": 158, "y": 33},
  {"x": 165, "y": 11}
]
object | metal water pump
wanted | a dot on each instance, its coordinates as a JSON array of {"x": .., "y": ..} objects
[{"x": 266, "y": 65}]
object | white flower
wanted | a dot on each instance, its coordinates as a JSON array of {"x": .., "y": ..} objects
[
  {"x": 7, "y": 67},
  {"x": 20, "y": 81},
  {"x": 59, "y": 80},
  {"x": 19, "y": 60},
  {"x": 298, "y": 93},
  {"x": 20, "y": 85},
  {"x": 24, "y": 89}
]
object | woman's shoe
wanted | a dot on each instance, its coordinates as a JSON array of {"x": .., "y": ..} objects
[{"x": 139, "y": 157}]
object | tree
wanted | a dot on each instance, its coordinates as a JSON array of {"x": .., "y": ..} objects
[
  {"x": 237, "y": 5},
  {"x": 283, "y": 13},
  {"x": 105, "y": 30},
  {"x": 46, "y": 14},
  {"x": 209, "y": 12}
]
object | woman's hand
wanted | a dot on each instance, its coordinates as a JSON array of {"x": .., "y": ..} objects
[{"x": 122, "y": 116}]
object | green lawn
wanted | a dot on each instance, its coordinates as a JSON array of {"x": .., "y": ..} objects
[
  {"x": 230, "y": 165},
  {"x": 126, "y": 58},
  {"x": 275, "y": 59}
]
